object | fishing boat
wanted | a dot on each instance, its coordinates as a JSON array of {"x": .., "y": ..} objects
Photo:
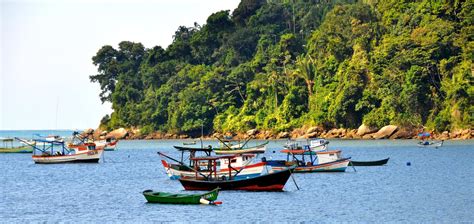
[
  {"x": 265, "y": 182},
  {"x": 370, "y": 163},
  {"x": 425, "y": 143},
  {"x": 57, "y": 152},
  {"x": 230, "y": 149},
  {"x": 189, "y": 143},
  {"x": 243, "y": 166},
  {"x": 208, "y": 198},
  {"x": 8, "y": 147},
  {"x": 109, "y": 144},
  {"x": 323, "y": 161},
  {"x": 240, "y": 150},
  {"x": 229, "y": 146},
  {"x": 315, "y": 145}
]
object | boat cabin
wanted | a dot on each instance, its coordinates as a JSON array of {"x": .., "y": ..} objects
[
  {"x": 299, "y": 156},
  {"x": 329, "y": 156},
  {"x": 210, "y": 165},
  {"x": 192, "y": 153}
]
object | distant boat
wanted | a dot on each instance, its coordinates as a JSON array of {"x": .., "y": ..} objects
[
  {"x": 189, "y": 143},
  {"x": 323, "y": 161},
  {"x": 240, "y": 150},
  {"x": 109, "y": 144},
  {"x": 265, "y": 182},
  {"x": 234, "y": 149},
  {"x": 207, "y": 198},
  {"x": 315, "y": 145},
  {"x": 57, "y": 152},
  {"x": 7, "y": 147},
  {"x": 370, "y": 163},
  {"x": 425, "y": 143},
  {"x": 430, "y": 144}
]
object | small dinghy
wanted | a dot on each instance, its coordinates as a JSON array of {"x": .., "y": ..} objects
[
  {"x": 430, "y": 144},
  {"x": 208, "y": 198},
  {"x": 370, "y": 163}
]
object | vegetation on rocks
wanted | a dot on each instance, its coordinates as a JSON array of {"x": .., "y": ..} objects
[{"x": 279, "y": 65}]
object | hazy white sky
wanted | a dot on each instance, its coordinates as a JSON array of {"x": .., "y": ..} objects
[{"x": 47, "y": 46}]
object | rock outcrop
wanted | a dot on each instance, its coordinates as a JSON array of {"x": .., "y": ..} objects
[
  {"x": 385, "y": 132},
  {"x": 403, "y": 133},
  {"x": 252, "y": 132},
  {"x": 364, "y": 130},
  {"x": 118, "y": 133},
  {"x": 284, "y": 135}
]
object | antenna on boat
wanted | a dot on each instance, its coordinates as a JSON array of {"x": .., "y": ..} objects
[{"x": 57, "y": 108}]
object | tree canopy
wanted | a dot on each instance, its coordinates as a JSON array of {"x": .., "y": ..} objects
[{"x": 278, "y": 65}]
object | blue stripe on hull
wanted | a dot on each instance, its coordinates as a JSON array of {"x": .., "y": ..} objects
[{"x": 238, "y": 177}]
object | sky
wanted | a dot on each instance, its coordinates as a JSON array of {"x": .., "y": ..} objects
[{"x": 47, "y": 48}]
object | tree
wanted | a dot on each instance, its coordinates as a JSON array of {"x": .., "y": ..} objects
[{"x": 306, "y": 69}]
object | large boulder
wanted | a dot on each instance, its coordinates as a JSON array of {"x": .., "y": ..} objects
[
  {"x": 252, "y": 132},
  {"x": 314, "y": 129},
  {"x": 364, "y": 129},
  {"x": 118, "y": 133},
  {"x": 403, "y": 133},
  {"x": 284, "y": 135},
  {"x": 385, "y": 132}
]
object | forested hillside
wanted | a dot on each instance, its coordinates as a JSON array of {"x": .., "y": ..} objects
[{"x": 279, "y": 65}]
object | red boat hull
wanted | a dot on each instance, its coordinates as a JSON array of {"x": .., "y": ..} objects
[{"x": 268, "y": 182}]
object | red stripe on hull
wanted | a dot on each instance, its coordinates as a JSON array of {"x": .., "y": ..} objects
[{"x": 276, "y": 187}]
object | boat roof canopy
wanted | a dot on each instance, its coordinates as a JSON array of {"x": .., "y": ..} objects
[
  {"x": 48, "y": 141},
  {"x": 7, "y": 139},
  {"x": 295, "y": 151}
]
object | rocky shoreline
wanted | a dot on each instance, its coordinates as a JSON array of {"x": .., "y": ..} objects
[{"x": 363, "y": 132}]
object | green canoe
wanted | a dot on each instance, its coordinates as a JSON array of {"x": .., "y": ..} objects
[{"x": 170, "y": 198}]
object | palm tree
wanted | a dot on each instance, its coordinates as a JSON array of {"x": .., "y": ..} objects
[{"x": 306, "y": 69}]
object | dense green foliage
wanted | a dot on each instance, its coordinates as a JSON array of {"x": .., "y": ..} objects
[{"x": 277, "y": 65}]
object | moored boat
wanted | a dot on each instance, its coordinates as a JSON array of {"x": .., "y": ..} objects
[
  {"x": 57, "y": 152},
  {"x": 243, "y": 167},
  {"x": 171, "y": 198},
  {"x": 8, "y": 147},
  {"x": 314, "y": 145},
  {"x": 240, "y": 150},
  {"x": 322, "y": 161},
  {"x": 109, "y": 144},
  {"x": 430, "y": 144},
  {"x": 425, "y": 143},
  {"x": 370, "y": 163},
  {"x": 265, "y": 182}
]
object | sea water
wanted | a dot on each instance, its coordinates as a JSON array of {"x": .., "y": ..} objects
[{"x": 437, "y": 187}]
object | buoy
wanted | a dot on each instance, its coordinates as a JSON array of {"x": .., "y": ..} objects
[
  {"x": 408, "y": 164},
  {"x": 204, "y": 201},
  {"x": 207, "y": 202}
]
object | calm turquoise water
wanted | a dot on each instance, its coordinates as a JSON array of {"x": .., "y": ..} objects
[{"x": 438, "y": 187}]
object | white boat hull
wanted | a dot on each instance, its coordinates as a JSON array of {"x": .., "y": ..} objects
[
  {"x": 256, "y": 149},
  {"x": 430, "y": 144},
  {"x": 91, "y": 156},
  {"x": 249, "y": 171}
]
